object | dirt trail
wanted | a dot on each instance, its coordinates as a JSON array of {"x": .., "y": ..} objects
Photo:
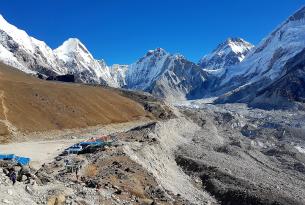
[
  {"x": 5, "y": 109},
  {"x": 10, "y": 127}
]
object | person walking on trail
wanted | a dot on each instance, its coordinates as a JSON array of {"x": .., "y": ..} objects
[
  {"x": 76, "y": 173},
  {"x": 13, "y": 177}
]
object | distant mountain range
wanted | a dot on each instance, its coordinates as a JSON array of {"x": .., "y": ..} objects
[{"x": 270, "y": 74}]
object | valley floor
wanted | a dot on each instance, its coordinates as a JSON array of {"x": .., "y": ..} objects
[{"x": 207, "y": 154}]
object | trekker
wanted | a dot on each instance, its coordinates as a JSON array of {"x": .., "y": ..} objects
[
  {"x": 13, "y": 177},
  {"x": 98, "y": 186},
  {"x": 76, "y": 173}
]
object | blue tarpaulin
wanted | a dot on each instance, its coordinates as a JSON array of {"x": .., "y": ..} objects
[
  {"x": 7, "y": 156},
  {"x": 20, "y": 160}
]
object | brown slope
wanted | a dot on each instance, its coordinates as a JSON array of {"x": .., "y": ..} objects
[{"x": 29, "y": 104}]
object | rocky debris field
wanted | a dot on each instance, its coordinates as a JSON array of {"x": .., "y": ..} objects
[{"x": 246, "y": 156}]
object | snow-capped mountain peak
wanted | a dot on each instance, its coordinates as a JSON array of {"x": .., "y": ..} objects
[
  {"x": 72, "y": 47},
  {"x": 149, "y": 67},
  {"x": 158, "y": 52},
  {"x": 80, "y": 62},
  {"x": 230, "y": 52},
  {"x": 179, "y": 56},
  {"x": 238, "y": 45}
]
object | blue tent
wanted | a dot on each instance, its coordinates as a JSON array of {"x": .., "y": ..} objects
[{"x": 20, "y": 160}]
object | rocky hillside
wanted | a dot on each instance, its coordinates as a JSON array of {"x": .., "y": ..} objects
[{"x": 30, "y": 104}]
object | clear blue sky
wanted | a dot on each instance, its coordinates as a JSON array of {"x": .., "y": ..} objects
[{"x": 121, "y": 31}]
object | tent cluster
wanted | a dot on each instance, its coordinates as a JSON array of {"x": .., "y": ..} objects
[
  {"x": 89, "y": 145},
  {"x": 11, "y": 157},
  {"x": 83, "y": 147}
]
